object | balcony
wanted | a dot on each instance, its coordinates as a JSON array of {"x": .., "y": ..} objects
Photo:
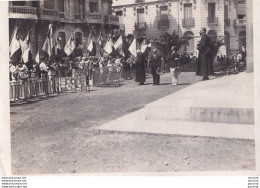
[
  {"x": 163, "y": 24},
  {"x": 140, "y": 26},
  {"x": 77, "y": 16},
  {"x": 93, "y": 18},
  {"x": 22, "y": 12},
  {"x": 188, "y": 22},
  {"x": 111, "y": 19},
  {"x": 240, "y": 23},
  {"x": 49, "y": 14},
  {"x": 213, "y": 22},
  {"x": 227, "y": 22}
]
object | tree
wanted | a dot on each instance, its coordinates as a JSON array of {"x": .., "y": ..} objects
[
  {"x": 167, "y": 41},
  {"x": 215, "y": 45}
]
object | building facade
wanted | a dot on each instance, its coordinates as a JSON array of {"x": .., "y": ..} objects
[
  {"x": 77, "y": 16},
  {"x": 226, "y": 18}
]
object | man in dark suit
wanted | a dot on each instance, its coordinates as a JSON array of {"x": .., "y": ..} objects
[
  {"x": 205, "y": 64},
  {"x": 155, "y": 63},
  {"x": 140, "y": 68}
]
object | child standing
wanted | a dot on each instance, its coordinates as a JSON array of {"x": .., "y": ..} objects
[{"x": 174, "y": 65}]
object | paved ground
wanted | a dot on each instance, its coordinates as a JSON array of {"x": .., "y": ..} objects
[{"x": 54, "y": 135}]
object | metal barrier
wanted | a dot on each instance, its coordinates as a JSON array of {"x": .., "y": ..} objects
[{"x": 107, "y": 76}]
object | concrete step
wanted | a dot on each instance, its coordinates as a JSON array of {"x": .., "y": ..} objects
[
  {"x": 223, "y": 100},
  {"x": 135, "y": 123},
  {"x": 199, "y": 114}
]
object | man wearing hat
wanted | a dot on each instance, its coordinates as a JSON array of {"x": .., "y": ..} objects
[
  {"x": 140, "y": 68},
  {"x": 205, "y": 64},
  {"x": 174, "y": 64},
  {"x": 155, "y": 63}
]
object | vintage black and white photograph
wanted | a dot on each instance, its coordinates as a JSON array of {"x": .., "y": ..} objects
[{"x": 131, "y": 86}]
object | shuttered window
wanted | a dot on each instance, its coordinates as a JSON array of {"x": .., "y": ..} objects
[
  {"x": 93, "y": 7},
  {"x": 211, "y": 11},
  {"x": 61, "y": 5},
  {"x": 140, "y": 15},
  {"x": 49, "y": 4},
  {"x": 187, "y": 11},
  {"x": 164, "y": 12},
  {"x": 77, "y": 6}
]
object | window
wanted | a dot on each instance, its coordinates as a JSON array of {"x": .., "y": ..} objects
[
  {"x": 164, "y": 12},
  {"x": 93, "y": 7},
  {"x": 212, "y": 35},
  {"x": 19, "y": 3},
  {"x": 61, "y": 5},
  {"x": 211, "y": 12},
  {"x": 49, "y": 4},
  {"x": 78, "y": 40},
  {"x": 140, "y": 15},
  {"x": 241, "y": 11},
  {"x": 226, "y": 12},
  {"x": 190, "y": 47},
  {"x": 139, "y": 1},
  {"x": 77, "y": 6},
  {"x": 187, "y": 11},
  {"x": 119, "y": 13}
]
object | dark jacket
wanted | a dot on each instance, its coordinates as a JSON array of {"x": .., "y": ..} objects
[
  {"x": 155, "y": 62},
  {"x": 205, "y": 62},
  {"x": 140, "y": 68}
]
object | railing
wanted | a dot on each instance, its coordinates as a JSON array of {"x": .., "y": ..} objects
[
  {"x": 22, "y": 10},
  {"x": 140, "y": 26},
  {"x": 93, "y": 17},
  {"x": 212, "y": 22},
  {"x": 227, "y": 22},
  {"x": 61, "y": 15},
  {"x": 48, "y": 14},
  {"x": 107, "y": 76},
  {"x": 163, "y": 24},
  {"x": 77, "y": 16},
  {"x": 240, "y": 22},
  {"x": 188, "y": 22},
  {"x": 33, "y": 87},
  {"x": 114, "y": 18}
]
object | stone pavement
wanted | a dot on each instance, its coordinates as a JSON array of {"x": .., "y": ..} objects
[{"x": 222, "y": 107}]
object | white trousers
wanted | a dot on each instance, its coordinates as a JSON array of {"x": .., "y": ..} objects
[{"x": 174, "y": 76}]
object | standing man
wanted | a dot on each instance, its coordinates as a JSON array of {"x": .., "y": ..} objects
[
  {"x": 205, "y": 64},
  {"x": 174, "y": 63},
  {"x": 140, "y": 68},
  {"x": 155, "y": 63}
]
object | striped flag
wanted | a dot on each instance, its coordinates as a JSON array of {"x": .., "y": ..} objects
[
  {"x": 118, "y": 43},
  {"x": 100, "y": 39},
  {"x": 108, "y": 46},
  {"x": 37, "y": 58},
  {"x": 144, "y": 46},
  {"x": 132, "y": 48},
  {"x": 15, "y": 44},
  {"x": 26, "y": 54},
  {"x": 49, "y": 44},
  {"x": 70, "y": 45}
]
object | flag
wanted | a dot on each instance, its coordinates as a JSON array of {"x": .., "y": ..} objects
[
  {"x": 37, "y": 58},
  {"x": 108, "y": 46},
  {"x": 70, "y": 45},
  {"x": 90, "y": 45},
  {"x": 25, "y": 55},
  {"x": 57, "y": 44},
  {"x": 25, "y": 43},
  {"x": 118, "y": 43},
  {"x": 49, "y": 44},
  {"x": 15, "y": 44},
  {"x": 100, "y": 39},
  {"x": 132, "y": 48},
  {"x": 143, "y": 46}
]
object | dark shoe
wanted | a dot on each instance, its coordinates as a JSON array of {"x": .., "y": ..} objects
[
  {"x": 205, "y": 78},
  {"x": 141, "y": 83}
]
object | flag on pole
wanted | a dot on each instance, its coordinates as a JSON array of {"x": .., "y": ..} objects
[
  {"x": 108, "y": 46},
  {"x": 90, "y": 45},
  {"x": 100, "y": 39},
  {"x": 57, "y": 45},
  {"x": 70, "y": 45},
  {"x": 15, "y": 44},
  {"x": 132, "y": 48},
  {"x": 37, "y": 58},
  {"x": 118, "y": 43},
  {"x": 25, "y": 55},
  {"x": 49, "y": 44}
]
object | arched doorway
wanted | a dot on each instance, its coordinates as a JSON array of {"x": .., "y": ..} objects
[
  {"x": 212, "y": 35},
  {"x": 189, "y": 48},
  {"x": 227, "y": 42}
]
